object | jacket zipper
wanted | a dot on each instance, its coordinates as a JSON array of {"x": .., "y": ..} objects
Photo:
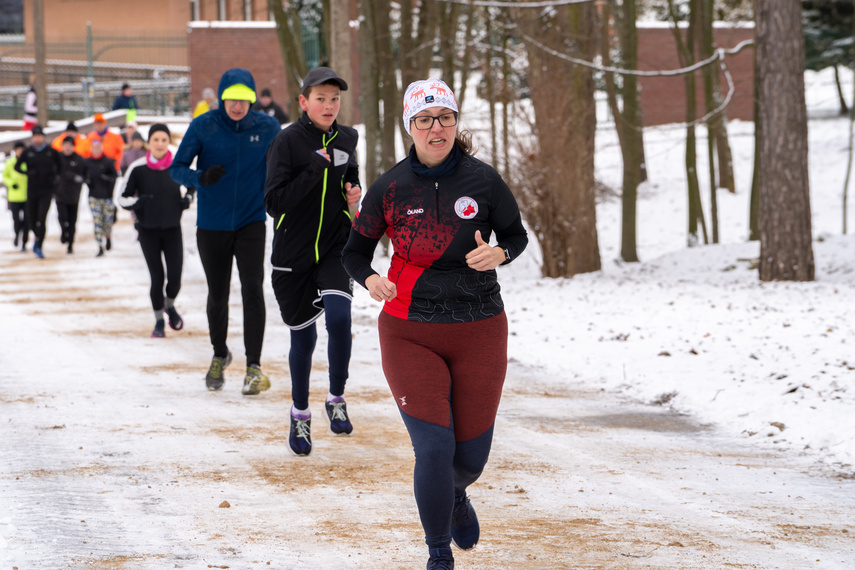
[{"x": 323, "y": 197}]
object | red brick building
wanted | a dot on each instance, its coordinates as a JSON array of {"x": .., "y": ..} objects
[{"x": 663, "y": 99}]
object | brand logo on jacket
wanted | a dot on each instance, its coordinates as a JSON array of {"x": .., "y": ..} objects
[
  {"x": 339, "y": 157},
  {"x": 466, "y": 208},
  {"x": 254, "y": 138},
  {"x": 415, "y": 211}
]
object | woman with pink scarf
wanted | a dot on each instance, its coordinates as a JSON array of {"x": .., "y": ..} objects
[{"x": 157, "y": 202}]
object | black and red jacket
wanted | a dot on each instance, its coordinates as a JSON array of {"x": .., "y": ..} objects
[{"x": 431, "y": 224}]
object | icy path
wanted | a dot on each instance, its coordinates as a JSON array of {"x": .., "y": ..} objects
[{"x": 113, "y": 455}]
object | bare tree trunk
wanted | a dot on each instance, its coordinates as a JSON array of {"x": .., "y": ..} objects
[
  {"x": 370, "y": 102},
  {"x": 844, "y": 109},
  {"x": 389, "y": 98},
  {"x": 630, "y": 121},
  {"x": 754, "y": 206},
  {"x": 488, "y": 78},
  {"x": 687, "y": 58},
  {"x": 704, "y": 21},
  {"x": 340, "y": 50},
  {"x": 465, "y": 65},
  {"x": 786, "y": 251},
  {"x": 506, "y": 103},
  {"x": 449, "y": 15},
  {"x": 41, "y": 68},
  {"x": 563, "y": 99},
  {"x": 291, "y": 46}
]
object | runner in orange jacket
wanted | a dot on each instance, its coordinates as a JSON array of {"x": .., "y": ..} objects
[{"x": 113, "y": 143}]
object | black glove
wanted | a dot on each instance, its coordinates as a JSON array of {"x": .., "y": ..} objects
[
  {"x": 212, "y": 175},
  {"x": 186, "y": 201},
  {"x": 140, "y": 203}
]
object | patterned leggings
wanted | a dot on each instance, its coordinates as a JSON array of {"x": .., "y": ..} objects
[{"x": 102, "y": 214}]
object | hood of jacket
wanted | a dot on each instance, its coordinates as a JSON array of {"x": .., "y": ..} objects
[{"x": 233, "y": 76}]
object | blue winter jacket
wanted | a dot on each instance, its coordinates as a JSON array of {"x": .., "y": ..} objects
[{"x": 237, "y": 199}]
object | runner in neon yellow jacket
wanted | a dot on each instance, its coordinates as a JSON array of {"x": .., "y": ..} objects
[{"x": 16, "y": 194}]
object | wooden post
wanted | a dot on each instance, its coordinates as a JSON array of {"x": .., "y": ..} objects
[
  {"x": 41, "y": 69},
  {"x": 340, "y": 49}
]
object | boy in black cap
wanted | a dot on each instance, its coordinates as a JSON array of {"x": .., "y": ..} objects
[
  {"x": 312, "y": 179},
  {"x": 42, "y": 166},
  {"x": 266, "y": 104}
]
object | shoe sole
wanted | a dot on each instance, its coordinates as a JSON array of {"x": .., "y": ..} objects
[
  {"x": 295, "y": 454},
  {"x": 178, "y": 326},
  {"x": 461, "y": 548}
]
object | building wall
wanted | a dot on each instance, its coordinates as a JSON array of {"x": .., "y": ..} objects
[
  {"x": 127, "y": 24},
  {"x": 214, "y": 47},
  {"x": 663, "y": 99}
]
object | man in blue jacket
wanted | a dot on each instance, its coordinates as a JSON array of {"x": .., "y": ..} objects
[{"x": 230, "y": 145}]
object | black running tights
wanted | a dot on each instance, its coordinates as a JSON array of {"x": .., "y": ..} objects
[{"x": 159, "y": 246}]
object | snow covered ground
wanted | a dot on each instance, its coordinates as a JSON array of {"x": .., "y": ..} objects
[{"x": 675, "y": 413}]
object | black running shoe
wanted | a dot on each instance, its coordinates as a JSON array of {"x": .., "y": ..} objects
[
  {"x": 300, "y": 438},
  {"x": 337, "y": 413},
  {"x": 109, "y": 244},
  {"x": 465, "y": 529},
  {"x": 176, "y": 323},
  {"x": 440, "y": 559},
  {"x": 158, "y": 331},
  {"x": 216, "y": 377}
]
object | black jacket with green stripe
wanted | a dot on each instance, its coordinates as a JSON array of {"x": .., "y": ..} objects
[{"x": 304, "y": 193}]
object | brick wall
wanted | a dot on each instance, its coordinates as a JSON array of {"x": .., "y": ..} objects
[
  {"x": 663, "y": 99},
  {"x": 214, "y": 48}
]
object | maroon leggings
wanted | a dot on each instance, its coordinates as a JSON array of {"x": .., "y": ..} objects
[{"x": 442, "y": 372}]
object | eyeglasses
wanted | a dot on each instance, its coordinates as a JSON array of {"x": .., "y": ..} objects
[{"x": 425, "y": 122}]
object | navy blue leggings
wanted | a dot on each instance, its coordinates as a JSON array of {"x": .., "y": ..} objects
[{"x": 303, "y": 341}]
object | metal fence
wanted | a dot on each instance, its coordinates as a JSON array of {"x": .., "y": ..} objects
[{"x": 86, "y": 76}]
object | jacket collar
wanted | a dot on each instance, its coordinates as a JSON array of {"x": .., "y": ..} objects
[{"x": 307, "y": 122}]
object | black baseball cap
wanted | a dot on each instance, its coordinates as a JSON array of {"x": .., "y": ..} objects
[
  {"x": 321, "y": 75},
  {"x": 37, "y": 130}
]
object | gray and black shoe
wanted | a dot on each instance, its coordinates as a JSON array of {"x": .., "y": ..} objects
[
  {"x": 255, "y": 381},
  {"x": 216, "y": 377}
]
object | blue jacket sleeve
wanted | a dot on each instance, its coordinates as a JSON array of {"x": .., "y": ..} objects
[{"x": 189, "y": 149}]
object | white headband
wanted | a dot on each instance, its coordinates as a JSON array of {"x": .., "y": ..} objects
[{"x": 425, "y": 94}]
